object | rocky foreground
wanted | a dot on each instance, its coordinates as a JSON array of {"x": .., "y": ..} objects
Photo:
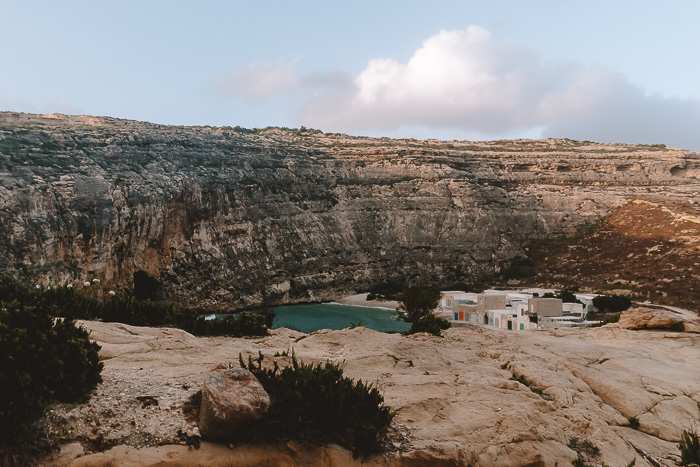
[{"x": 455, "y": 399}]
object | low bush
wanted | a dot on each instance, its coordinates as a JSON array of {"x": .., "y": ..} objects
[
  {"x": 316, "y": 403},
  {"x": 634, "y": 423},
  {"x": 533, "y": 387},
  {"x": 690, "y": 448},
  {"x": 234, "y": 325},
  {"x": 519, "y": 272},
  {"x": 519, "y": 268},
  {"x": 70, "y": 303},
  {"x": 385, "y": 291},
  {"x": 429, "y": 323},
  {"x": 41, "y": 360},
  {"x": 566, "y": 296},
  {"x": 128, "y": 310},
  {"x": 585, "y": 451},
  {"x": 612, "y": 303},
  {"x": 604, "y": 318}
]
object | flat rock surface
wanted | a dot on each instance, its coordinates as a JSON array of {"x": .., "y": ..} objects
[{"x": 454, "y": 398}]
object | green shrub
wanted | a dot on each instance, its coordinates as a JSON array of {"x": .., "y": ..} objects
[
  {"x": 67, "y": 302},
  {"x": 690, "y": 448},
  {"x": 519, "y": 268},
  {"x": 417, "y": 305},
  {"x": 11, "y": 290},
  {"x": 63, "y": 301},
  {"x": 580, "y": 461},
  {"x": 533, "y": 387},
  {"x": 566, "y": 296},
  {"x": 634, "y": 423},
  {"x": 385, "y": 291},
  {"x": 317, "y": 403},
  {"x": 612, "y": 303},
  {"x": 41, "y": 360},
  {"x": 585, "y": 451},
  {"x": 604, "y": 318},
  {"x": 234, "y": 325},
  {"x": 429, "y": 323},
  {"x": 128, "y": 310},
  {"x": 519, "y": 272}
]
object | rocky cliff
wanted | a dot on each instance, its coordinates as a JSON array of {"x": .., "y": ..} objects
[{"x": 234, "y": 217}]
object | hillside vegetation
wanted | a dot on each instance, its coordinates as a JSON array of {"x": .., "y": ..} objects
[{"x": 645, "y": 249}]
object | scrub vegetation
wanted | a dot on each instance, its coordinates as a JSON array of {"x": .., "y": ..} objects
[
  {"x": 45, "y": 357},
  {"x": 87, "y": 303},
  {"x": 612, "y": 303},
  {"x": 316, "y": 403},
  {"x": 417, "y": 307},
  {"x": 690, "y": 448},
  {"x": 41, "y": 360}
]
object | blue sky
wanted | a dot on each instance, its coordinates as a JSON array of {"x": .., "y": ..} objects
[{"x": 611, "y": 71}]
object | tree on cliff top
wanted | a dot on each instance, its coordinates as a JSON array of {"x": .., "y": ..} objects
[{"x": 417, "y": 305}]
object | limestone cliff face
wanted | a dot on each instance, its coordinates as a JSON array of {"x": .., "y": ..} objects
[{"x": 236, "y": 218}]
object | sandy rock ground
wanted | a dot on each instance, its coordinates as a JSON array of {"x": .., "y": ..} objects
[{"x": 455, "y": 400}]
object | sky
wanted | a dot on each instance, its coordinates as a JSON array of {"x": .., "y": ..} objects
[{"x": 608, "y": 71}]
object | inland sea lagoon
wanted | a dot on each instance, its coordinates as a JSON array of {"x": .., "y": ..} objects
[{"x": 310, "y": 318}]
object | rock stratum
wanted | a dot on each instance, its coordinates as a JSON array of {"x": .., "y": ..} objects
[
  {"x": 229, "y": 217},
  {"x": 455, "y": 398}
]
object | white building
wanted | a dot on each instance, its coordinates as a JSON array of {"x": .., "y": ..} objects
[
  {"x": 587, "y": 300},
  {"x": 516, "y": 311},
  {"x": 549, "y": 322}
]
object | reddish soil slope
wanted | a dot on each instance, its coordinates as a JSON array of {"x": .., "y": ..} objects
[{"x": 647, "y": 248}]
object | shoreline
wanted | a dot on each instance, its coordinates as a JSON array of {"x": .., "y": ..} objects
[
  {"x": 361, "y": 301},
  {"x": 361, "y": 306}
]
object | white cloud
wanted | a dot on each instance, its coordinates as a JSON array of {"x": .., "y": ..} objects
[
  {"x": 258, "y": 81},
  {"x": 472, "y": 83}
]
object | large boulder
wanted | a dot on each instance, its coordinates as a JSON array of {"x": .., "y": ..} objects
[
  {"x": 657, "y": 318},
  {"x": 230, "y": 400}
]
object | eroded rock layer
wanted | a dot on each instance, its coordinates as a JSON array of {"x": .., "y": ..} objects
[{"x": 234, "y": 217}]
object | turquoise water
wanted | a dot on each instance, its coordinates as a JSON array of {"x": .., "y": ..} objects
[{"x": 310, "y": 318}]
